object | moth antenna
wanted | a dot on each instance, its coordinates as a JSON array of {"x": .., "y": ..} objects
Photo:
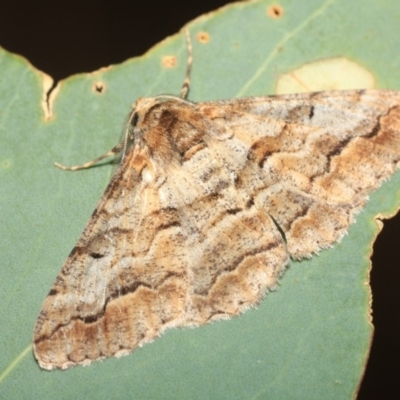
[
  {"x": 186, "y": 82},
  {"x": 115, "y": 150},
  {"x": 124, "y": 142}
]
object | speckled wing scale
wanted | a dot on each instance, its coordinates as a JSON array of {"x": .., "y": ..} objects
[{"x": 189, "y": 230}]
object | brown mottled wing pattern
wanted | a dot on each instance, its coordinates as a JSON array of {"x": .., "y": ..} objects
[
  {"x": 190, "y": 228},
  {"x": 124, "y": 280},
  {"x": 310, "y": 159}
]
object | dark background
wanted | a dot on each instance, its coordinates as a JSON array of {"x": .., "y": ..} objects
[{"x": 63, "y": 38}]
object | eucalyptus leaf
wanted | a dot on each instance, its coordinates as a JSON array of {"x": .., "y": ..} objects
[{"x": 309, "y": 339}]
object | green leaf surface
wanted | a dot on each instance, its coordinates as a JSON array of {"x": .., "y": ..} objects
[{"x": 309, "y": 339}]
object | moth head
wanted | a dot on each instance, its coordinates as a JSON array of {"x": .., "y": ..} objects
[
  {"x": 165, "y": 125},
  {"x": 144, "y": 116}
]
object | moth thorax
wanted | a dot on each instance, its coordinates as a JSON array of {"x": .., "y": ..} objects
[{"x": 147, "y": 175}]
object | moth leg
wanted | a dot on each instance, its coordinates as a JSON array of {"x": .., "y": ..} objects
[{"x": 114, "y": 151}]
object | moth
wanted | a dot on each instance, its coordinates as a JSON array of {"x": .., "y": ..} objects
[{"x": 209, "y": 202}]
